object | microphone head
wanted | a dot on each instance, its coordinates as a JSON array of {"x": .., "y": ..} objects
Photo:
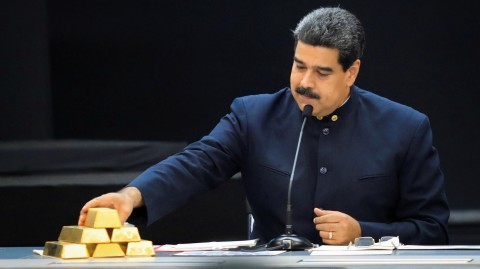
[{"x": 307, "y": 111}]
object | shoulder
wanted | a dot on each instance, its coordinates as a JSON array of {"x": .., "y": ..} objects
[{"x": 384, "y": 108}]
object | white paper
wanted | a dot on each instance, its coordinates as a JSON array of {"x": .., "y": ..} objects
[
  {"x": 221, "y": 245},
  {"x": 446, "y": 247},
  {"x": 351, "y": 250},
  {"x": 230, "y": 253}
]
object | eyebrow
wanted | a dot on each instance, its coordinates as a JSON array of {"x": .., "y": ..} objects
[{"x": 322, "y": 68}]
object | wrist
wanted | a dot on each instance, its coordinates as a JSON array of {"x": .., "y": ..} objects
[{"x": 133, "y": 196}]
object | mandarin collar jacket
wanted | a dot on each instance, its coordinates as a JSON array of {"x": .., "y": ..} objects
[{"x": 372, "y": 159}]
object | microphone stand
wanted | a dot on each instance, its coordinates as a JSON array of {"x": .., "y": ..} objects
[{"x": 289, "y": 240}]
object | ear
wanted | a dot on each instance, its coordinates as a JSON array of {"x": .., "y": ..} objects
[{"x": 352, "y": 73}]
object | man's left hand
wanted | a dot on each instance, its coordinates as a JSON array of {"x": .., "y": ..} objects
[{"x": 336, "y": 228}]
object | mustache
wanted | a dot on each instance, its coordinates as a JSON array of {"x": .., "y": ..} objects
[{"x": 308, "y": 92}]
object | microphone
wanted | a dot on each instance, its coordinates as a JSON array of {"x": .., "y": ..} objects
[{"x": 289, "y": 240}]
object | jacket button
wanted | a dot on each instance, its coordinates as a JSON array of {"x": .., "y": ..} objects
[
  {"x": 323, "y": 170},
  {"x": 326, "y": 131}
]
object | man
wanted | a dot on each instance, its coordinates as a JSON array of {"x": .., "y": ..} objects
[{"x": 367, "y": 166}]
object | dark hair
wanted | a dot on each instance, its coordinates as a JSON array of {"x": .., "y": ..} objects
[{"x": 333, "y": 27}]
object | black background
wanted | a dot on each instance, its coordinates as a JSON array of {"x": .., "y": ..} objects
[{"x": 168, "y": 70}]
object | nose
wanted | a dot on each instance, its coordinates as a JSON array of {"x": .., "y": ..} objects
[{"x": 307, "y": 80}]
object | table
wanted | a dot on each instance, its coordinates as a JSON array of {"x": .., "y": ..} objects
[{"x": 23, "y": 257}]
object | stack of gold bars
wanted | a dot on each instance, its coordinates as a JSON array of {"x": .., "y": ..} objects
[{"x": 102, "y": 236}]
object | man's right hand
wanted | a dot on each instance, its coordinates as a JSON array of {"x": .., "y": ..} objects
[{"x": 124, "y": 201}]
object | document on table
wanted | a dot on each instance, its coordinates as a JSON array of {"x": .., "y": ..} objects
[
  {"x": 220, "y": 245},
  {"x": 377, "y": 250},
  {"x": 437, "y": 247},
  {"x": 231, "y": 253},
  {"x": 350, "y": 250}
]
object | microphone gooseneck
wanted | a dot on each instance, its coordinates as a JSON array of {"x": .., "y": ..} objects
[{"x": 290, "y": 241}]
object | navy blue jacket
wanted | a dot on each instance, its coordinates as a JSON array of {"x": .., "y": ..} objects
[{"x": 375, "y": 162}]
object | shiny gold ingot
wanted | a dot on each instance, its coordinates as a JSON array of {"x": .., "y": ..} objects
[
  {"x": 82, "y": 234},
  {"x": 101, "y": 217},
  {"x": 141, "y": 248},
  {"x": 106, "y": 250},
  {"x": 125, "y": 234},
  {"x": 65, "y": 250}
]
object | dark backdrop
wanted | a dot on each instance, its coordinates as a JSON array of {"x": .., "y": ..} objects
[{"x": 168, "y": 70}]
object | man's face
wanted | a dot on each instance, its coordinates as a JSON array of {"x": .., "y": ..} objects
[{"x": 317, "y": 78}]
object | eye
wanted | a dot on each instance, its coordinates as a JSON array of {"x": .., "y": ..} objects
[
  {"x": 300, "y": 67},
  {"x": 322, "y": 74}
]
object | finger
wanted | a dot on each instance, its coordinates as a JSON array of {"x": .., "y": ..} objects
[
  {"x": 335, "y": 239},
  {"x": 322, "y": 212},
  {"x": 318, "y": 211},
  {"x": 326, "y": 227},
  {"x": 327, "y": 219},
  {"x": 325, "y": 215},
  {"x": 327, "y": 236},
  {"x": 328, "y": 242},
  {"x": 81, "y": 220},
  {"x": 83, "y": 215},
  {"x": 333, "y": 217},
  {"x": 123, "y": 216}
]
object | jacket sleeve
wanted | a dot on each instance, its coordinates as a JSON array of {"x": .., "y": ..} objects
[
  {"x": 201, "y": 166},
  {"x": 422, "y": 210}
]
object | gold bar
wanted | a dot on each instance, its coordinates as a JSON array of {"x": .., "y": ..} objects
[
  {"x": 125, "y": 234},
  {"x": 106, "y": 250},
  {"x": 65, "y": 250},
  {"x": 82, "y": 234},
  {"x": 141, "y": 248},
  {"x": 102, "y": 217}
]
